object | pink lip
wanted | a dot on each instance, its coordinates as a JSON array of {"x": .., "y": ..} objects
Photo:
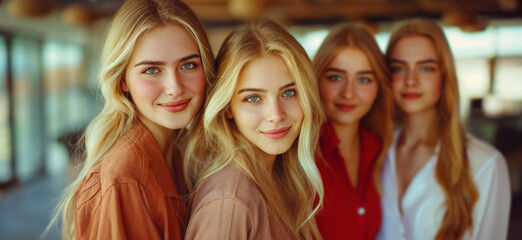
[
  {"x": 345, "y": 107},
  {"x": 277, "y": 133},
  {"x": 175, "y": 106},
  {"x": 411, "y": 96}
]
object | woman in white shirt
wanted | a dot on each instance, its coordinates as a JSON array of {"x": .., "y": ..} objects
[{"x": 438, "y": 181}]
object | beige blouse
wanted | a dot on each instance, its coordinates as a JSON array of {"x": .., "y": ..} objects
[{"x": 230, "y": 206}]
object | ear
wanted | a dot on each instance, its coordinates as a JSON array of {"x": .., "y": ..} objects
[
  {"x": 124, "y": 86},
  {"x": 228, "y": 114}
]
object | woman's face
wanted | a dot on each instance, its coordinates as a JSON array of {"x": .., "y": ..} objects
[
  {"x": 348, "y": 87},
  {"x": 265, "y": 105},
  {"x": 416, "y": 74},
  {"x": 165, "y": 78}
]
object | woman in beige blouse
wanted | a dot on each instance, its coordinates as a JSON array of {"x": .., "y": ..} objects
[{"x": 262, "y": 117}]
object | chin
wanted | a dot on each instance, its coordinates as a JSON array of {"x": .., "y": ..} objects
[{"x": 276, "y": 151}]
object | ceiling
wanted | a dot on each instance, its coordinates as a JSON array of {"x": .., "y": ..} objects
[{"x": 225, "y": 12}]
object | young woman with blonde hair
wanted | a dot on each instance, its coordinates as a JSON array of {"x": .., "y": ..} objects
[
  {"x": 258, "y": 180},
  {"x": 438, "y": 181},
  {"x": 156, "y": 64},
  {"x": 354, "y": 87}
]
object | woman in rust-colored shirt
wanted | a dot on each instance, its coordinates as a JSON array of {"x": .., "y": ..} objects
[
  {"x": 353, "y": 84},
  {"x": 156, "y": 65}
]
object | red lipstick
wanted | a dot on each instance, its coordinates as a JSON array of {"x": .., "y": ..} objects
[
  {"x": 411, "y": 96},
  {"x": 175, "y": 106},
  {"x": 277, "y": 133},
  {"x": 345, "y": 107}
]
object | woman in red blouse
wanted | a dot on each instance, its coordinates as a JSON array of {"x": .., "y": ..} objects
[{"x": 353, "y": 82}]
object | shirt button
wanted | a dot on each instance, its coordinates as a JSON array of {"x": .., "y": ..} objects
[{"x": 361, "y": 211}]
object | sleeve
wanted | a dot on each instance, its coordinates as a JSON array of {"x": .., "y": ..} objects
[
  {"x": 122, "y": 214},
  {"x": 492, "y": 209},
  {"x": 221, "y": 219}
]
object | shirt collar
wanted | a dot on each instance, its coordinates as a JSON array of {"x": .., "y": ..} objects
[
  {"x": 328, "y": 140},
  {"x": 370, "y": 144},
  {"x": 146, "y": 142}
]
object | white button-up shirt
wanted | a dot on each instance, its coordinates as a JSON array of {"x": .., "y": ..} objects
[{"x": 423, "y": 202}]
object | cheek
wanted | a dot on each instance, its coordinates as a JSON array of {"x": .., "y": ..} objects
[
  {"x": 144, "y": 90},
  {"x": 244, "y": 117},
  {"x": 437, "y": 87},
  {"x": 293, "y": 108},
  {"x": 196, "y": 84},
  {"x": 369, "y": 94},
  {"x": 328, "y": 92},
  {"x": 396, "y": 85}
]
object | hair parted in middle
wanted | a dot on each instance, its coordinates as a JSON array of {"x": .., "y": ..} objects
[
  {"x": 453, "y": 166},
  {"x": 379, "y": 120},
  {"x": 295, "y": 182}
]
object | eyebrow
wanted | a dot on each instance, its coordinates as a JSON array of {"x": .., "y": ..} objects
[
  {"x": 264, "y": 90},
  {"x": 344, "y": 72},
  {"x": 335, "y": 70},
  {"x": 418, "y": 62},
  {"x": 147, "y": 62}
]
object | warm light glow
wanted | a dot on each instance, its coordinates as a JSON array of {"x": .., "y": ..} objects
[{"x": 30, "y": 8}]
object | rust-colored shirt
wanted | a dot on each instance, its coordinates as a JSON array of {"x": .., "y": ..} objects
[
  {"x": 130, "y": 193},
  {"x": 229, "y": 205}
]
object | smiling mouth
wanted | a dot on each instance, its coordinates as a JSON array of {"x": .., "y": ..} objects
[
  {"x": 346, "y": 107},
  {"x": 411, "y": 96},
  {"x": 175, "y": 106},
  {"x": 277, "y": 133}
]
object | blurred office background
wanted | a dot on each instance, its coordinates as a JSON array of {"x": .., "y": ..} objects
[{"x": 49, "y": 63}]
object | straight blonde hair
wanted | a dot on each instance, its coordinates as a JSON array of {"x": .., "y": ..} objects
[
  {"x": 131, "y": 22},
  {"x": 296, "y": 182},
  {"x": 453, "y": 169},
  {"x": 379, "y": 119}
]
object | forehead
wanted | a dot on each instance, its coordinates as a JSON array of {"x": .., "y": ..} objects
[
  {"x": 414, "y": 48},
  {"x": 265, "y": 72},
  {"x": 350, "y": 58},
  {"x": 169, "y": 41}
]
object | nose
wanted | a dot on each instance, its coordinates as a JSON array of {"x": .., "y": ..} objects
[
  {"x": 347, "y": 90},
  {"x": 275, "y": 111},
  {"x": 411, "y": 79},
  {"x": 173, "y": 85}
]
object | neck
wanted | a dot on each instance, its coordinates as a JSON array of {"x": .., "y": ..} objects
[
  {"x": 347, "y": 133},
  {"x": 421, "y": 127},
  {"x": 163, "y": 136}
]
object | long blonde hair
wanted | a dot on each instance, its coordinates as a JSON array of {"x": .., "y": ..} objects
[
  {"x": 379, "y": 120},
  {"x": 296, "y": 181},
  {"x": 132, "y": 20},
  {"x": 453, "y": 170}
]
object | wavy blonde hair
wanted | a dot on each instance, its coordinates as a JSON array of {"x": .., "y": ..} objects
[
  {"x": 379, "y": 120},
  {"x": 133, "y": 20},
  {"x": 296, "y": 182},
  {"x": 453, "y": 170}
]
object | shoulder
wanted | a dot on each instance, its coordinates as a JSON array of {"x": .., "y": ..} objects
[
  {"x": 123, "y": 163},
  {"x": 483, "y": 156},
  {"x": 230, "y": 185}
]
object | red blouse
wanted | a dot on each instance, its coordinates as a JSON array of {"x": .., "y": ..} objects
[{"x": 348, "y": 213}]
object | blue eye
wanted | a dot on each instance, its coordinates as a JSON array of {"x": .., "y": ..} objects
[
  {"x": 364, "y": 80},
  {"x": 252, "y": 99},
  {"x": 188, "y": 66},
  {"x": 151, "y": 70},
  {"x": 427, "y": 69},
  {"x": 290, "y": 93},
  {"x": 334, "y": 78}
]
